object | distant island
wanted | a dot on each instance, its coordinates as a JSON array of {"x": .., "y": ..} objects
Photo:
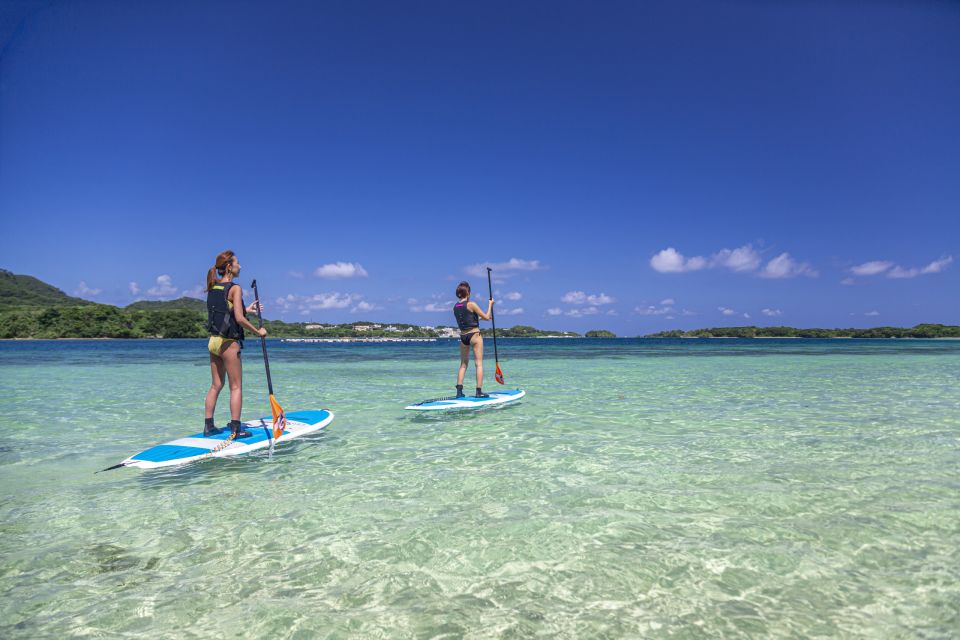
[
  {"x": 30, "y": 308},
  {"x": 919, "y": 331}
]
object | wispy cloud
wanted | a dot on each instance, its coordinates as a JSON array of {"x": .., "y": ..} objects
[
  {"x": 195, "y": 292},
  {"x": 364, "y": 306},
  {"x": 743, "y": 259},
  {"x": 513, "y": 295},
  {"x": 436, "y": 304},
  {"x": 319, "y": 301},
  {"x": 871, "y": 268},
  {"x": 872, "y": 313},
  {"x": 295, "y": 274},
  {"x": 554, "y": 311},
  {"x": 340, "y": 270},
  {"x": 164, "y": 287},
  {"x": 934, "y": 267},
  {"x": 897, "y": 272},
  {"x": 84, "y": 290},
  {"x": 509, "y": 312},
  {"x": 504, "y": 269},
  {"x": 783, "y": 266},
  {"x": 726, "y": 311},
  {"x": 771, "y": 313},
  {"x": 134, "y": 287},
  {"x": 580, "y": 298}
]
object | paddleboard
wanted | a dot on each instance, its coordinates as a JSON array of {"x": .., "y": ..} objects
[
  {"x": 468, "y": 402},
  {"x": 198, "y": 447}
]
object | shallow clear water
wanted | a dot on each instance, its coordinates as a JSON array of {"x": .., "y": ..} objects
[{"x": 715, "y": 488}]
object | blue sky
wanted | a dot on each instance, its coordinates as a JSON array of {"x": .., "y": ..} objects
[{"x": 631, "y": 166}]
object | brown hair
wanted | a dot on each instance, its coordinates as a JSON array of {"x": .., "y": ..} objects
[
  {"x": 463, "y": 290},
  {"x": 219, "y": 267}
]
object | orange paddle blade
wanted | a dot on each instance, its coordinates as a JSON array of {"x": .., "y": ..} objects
[
  {"x": 279, "y": 418},
  {"x": 499, "y": 374}
]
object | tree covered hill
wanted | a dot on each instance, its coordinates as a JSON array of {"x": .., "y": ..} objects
[
  {"x": 26, "y": 291},
  {"x": 188, "y": 304}
]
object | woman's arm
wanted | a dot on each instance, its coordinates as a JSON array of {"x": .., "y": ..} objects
[
  {"x": 472, "y": 306},
  {"x": 238, "y": 310}
]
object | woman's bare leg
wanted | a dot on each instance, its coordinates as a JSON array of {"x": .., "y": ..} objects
[
  {"x": 464, "y": 361},
  {"x": 216, "y": 384},
  {"x": 477, "y": 344},
  {"x": 231, "y": 359}
]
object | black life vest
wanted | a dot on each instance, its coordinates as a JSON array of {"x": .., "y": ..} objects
[
  {"x": 220, "y": 318},
  {"x": 466, "y": 319}
]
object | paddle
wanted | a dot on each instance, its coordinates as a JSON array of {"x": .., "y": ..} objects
[
  {"x": 498, "y": 375},
  {"x": 279, "y": 418}
]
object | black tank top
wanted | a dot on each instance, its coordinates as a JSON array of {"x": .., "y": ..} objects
[{"x": 466, "y": 319}]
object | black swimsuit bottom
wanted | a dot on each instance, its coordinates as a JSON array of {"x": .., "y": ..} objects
[{"x": 465, "y": 339}]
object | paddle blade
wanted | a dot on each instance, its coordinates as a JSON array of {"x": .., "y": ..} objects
[
  {"x": 498, "y": 374},
  {"x": 279, "y": 418}
]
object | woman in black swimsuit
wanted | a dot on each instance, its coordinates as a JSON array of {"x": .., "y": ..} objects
[{"x": 468, "y": 316}]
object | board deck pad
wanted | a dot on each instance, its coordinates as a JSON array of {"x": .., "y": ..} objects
[
  {"x": 197, "y": 446},
  {"x": 469, "y": 402}
]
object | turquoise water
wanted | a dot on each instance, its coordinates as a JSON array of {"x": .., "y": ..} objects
[{"x": 676, "y": 489}]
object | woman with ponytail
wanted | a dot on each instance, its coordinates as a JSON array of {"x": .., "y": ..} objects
[{"x": 226, "y": 319}]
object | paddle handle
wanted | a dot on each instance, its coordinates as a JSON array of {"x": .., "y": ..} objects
[
  {"x": 263, "y": 341},
  {"x": 493, "y": 322}
]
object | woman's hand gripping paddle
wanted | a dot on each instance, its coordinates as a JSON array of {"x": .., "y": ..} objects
[
  {"x": 498, "y": 375},
  {"x": 279, "y": 417}
]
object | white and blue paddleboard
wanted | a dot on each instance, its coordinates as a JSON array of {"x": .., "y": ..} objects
[
  {"x": 469, "y": 402},
  {"x": 199, "y": 447}
]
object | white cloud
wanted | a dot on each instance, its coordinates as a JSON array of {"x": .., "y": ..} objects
[
  {"x": 672, "y": 261},
  {"x": 196, "y": 292},
  {"x": 783, "y": 266},
  {"x": 727, "y": 312},
  {"x": 937, "y": 265},
  {"x": 318, "y": 302},
  {"x": 934, "y": 267},
  {"x": 504, "y": 269},
  {"x": 668, "y": 301},
  {"x": 84, "y": 290},
  {"x": 772, "y": 313},
  {"x": 513, "y": 295},
  {"x": 164, "y": 287},
  {"x": 876, "y": 267},
  {"x": 848, "y": 281},
  {"x": 580, "y": 312},
  {"x": 653, "y": 310},
  {"x": 338, "y": 270},
  {"x": 364, "y": 306},
  {"x": 579, "y": 297},
  {"x": 134, "y": 287},
  {"x": 871, "y": 268},
  {"x": 509, "y": 312},
  {"x": 295, "y": 274},
  {"x": 554, "y": 311},
  {"x": 872, "y": 313},
  {"x": 437, "y": 305},
  {"x": 741, "y": 259}
]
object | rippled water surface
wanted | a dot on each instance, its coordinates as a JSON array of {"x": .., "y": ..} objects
[{"x": 716, "y": 488}]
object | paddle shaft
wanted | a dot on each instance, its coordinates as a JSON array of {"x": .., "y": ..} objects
[
  {"x": 493, "y": 322},
  {"x": 263, "y": 341}
]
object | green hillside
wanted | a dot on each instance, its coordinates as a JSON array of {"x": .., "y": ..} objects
[
  {"x": 27, "y": 291},
  {"x": 189, "y": 304}
]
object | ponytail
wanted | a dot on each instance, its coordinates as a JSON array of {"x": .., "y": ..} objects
[
  {"x": 211, "y": 278},
  {"x": 219, "y": 267}
]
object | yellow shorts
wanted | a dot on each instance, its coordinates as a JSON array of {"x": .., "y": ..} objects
[{"x": 217, "y": 344}]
